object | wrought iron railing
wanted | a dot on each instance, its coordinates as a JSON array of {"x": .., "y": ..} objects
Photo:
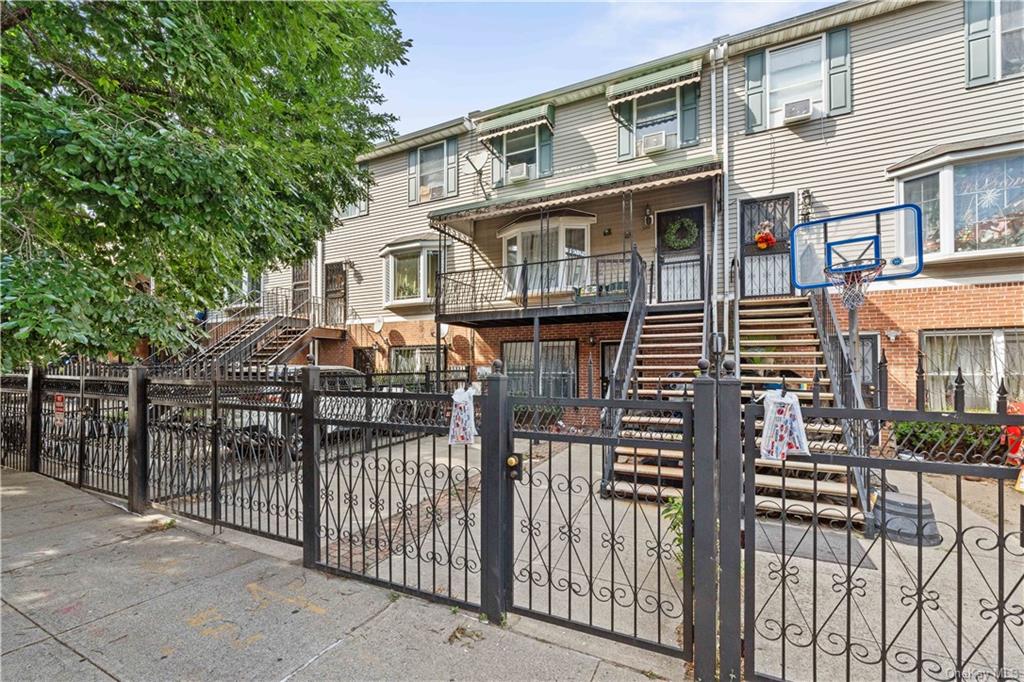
[
  {"x": 578, "y": 280},
  {"x": 624, "y": 369}
]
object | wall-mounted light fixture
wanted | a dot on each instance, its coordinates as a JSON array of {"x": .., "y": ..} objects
[
  {"x": 648, "y": 216},
  {"x": 591, "y": 340}
]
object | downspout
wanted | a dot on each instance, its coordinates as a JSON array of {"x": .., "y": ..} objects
[
  {"x": 723, "y": 51},
  {"x": 715, "y": 203}
]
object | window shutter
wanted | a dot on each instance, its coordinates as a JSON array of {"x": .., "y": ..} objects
[
  {"x": 688, "y": 100},
  {"x": 625, "y": 111},
  {"x": 839, "y": 80},
  {"x": 414, "y": 178},
  {"x": 979, "y": 31},
  {"x": 451, "y": 167},
  {"x": 387, "y": 278},
  {"x": 544, "y": 151},
  {"x": 756, "y": 100},
  {"x": 364, "y": 204},
  {"x": 498, "y": 161}
]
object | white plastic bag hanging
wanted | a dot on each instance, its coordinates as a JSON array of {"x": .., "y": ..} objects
[
  {"x": 783, "y": 432},
  {"x": 462, "y": 429}
]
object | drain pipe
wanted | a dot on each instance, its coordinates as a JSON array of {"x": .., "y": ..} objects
[
  {"x": 715, "y": 203},
  {"x": 723, "y": 53}
]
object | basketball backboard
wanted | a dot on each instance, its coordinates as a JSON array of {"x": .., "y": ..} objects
[{"x": 890, "y": 236}]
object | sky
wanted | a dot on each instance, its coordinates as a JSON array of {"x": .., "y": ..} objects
[{"x": 468, "y": 56}]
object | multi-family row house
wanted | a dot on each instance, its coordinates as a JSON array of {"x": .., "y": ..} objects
[{"x": 608, "y": 226}]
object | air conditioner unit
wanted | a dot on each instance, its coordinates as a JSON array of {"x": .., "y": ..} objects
[
  {"x": 796, "y": 111},
  {"x": 436, "y": 192},
  {"x": 652, "y": 142},
  {"x": 518, "y": 172}
]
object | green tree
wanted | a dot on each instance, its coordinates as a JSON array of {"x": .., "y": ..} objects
[{"x": 174, "y": 143}]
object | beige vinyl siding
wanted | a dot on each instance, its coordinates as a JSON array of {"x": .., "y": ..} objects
[
  {"x": 278, "y": 279},
  {"x": 358, "y": 240},
  {"x": 585, "y": 143},
  {"x": 609, "y": 212},
  {"x": 909, "y": 95}
]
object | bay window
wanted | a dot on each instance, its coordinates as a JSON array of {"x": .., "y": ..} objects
[
  {"x": 971, "y": 205},
  {"x": 546, "y": 253},
  {"x": 410, "y": 272}
]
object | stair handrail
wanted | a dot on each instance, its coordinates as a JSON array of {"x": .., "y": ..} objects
[
  {"x": 625, "y": 357},
  {"x": 282, "y": 315},
  {"x": 837, "y": 361}
]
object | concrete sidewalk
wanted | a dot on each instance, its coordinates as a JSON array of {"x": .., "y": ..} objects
[{"x": 92, "y": 592}]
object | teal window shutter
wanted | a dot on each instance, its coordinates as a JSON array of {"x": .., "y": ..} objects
[
  {"x": 544, "y": 151},
  {"x": 979, "y": 31},
  {"x": 451, "y": 166},
  {"x": 689, "y": 97},
  {"x": 757, "y": 102},
  {"x": 364, "y": 203},
  {"x": 498, "y": 161},
  {"x": 625, "y": 111},
  {"x": 414, "y": 178},
  {"x": 839, "y": 80}
]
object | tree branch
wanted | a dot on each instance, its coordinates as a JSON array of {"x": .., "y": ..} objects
[{"x": 9, "y": 18}]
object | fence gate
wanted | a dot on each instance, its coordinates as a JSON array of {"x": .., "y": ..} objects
[
  {"x": 228, "y": 452},
  {"x": 600, "y": 544},
  {"x": 13, "y": 421},
  {"x": 928, "y": 585},
  {"x": 396, "y": 504}
]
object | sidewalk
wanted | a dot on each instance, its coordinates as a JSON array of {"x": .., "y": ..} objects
[{"x": 92, "y": 592}]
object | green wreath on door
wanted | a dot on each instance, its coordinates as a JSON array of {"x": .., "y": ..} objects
[{"x": 680, "y": 242}]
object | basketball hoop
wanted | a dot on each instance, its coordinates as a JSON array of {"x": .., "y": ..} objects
[{"x": 852, "y": 278}]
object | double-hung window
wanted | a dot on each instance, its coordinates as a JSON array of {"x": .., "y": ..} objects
[
  {"x": 549, "y": 254},
  {"x": 984, "y": 357},
  {"x": 434, "y": 171},
  {"x": 969, "y": 205},
  {"x": 812, "y": 77},
  {"x": 673, "y": 113},
  {"x": 360, "y": 206},
  {"x": 994, "y": 32},
  {"x": 410, "y": 272},
  {"x": 522, "y": 154}
]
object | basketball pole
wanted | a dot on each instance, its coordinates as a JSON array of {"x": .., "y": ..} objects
[{"x": 856, "y": 360}]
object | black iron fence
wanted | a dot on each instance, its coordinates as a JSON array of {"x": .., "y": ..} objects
[{"x": 690, "y": 543}]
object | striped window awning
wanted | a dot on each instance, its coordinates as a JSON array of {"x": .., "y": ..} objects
[
  {"x": 521, "y": 120},
  {"x": 651, "y": 83}
]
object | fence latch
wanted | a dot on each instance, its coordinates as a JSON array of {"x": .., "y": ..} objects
[{"x": 515, "y": 466}]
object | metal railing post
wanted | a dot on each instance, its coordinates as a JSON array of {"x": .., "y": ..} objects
[
  {"x": 730, "y": 479},
  {"x": 214, "y": 450},
  {"x": 496, "y": 545},
  {"x": 34, "y": 417},
  {"x": 310, "y": 468},
  {"x": 705, "y": 522},
  {"x": 138, "y": 440},
  {"x": 83, "y": 419}
]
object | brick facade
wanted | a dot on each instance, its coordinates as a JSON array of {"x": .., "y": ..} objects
[{"x": 910, "y": 311}]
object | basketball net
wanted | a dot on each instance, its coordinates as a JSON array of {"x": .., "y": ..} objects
[{"x": 852, "y": 280}]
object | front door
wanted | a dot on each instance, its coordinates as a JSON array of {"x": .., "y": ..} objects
[
  {"x": 765, "y": 271},
  {"x": 609, "y": 351},
  {"x": 334, "y": 294},
  {"x": 680, "y": 254},
  {"x": 363, "y": 360},
  {"x": 300, "y": 288}
]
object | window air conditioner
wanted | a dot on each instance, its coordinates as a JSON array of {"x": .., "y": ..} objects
[
  {"x": 796, "y": 111},
  {"x": 652, "y": 142},
  {"x": 436, "y": 192},
  {"x": 518, "y": 172}
]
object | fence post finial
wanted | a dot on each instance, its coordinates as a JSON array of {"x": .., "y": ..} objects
[
  {"x": 497, "y": 366},
  {"x": 919, "y": 386},
  {"x": 703, "y": 365},
  {"x": 958, "y": 390},
  {"x": 1002, "y": 396}
]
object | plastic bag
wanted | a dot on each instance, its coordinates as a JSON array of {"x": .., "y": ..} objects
[
  {"x": 462, "y": 428},
  {"x": 783, "y": 432}
]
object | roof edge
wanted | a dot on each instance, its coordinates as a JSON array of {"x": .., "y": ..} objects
[{"x": 419, "y": 137}]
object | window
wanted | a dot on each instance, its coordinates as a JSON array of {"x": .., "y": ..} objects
[
  {"x": 521, "y": 148},
  {"x": 410, "y": 272},
  {"x": 416, "y": 358},
  {"x": 545, "y": 253},
  {"x": 974, "y": 205},
  {"x": 360, "y": 206},
  {"x": 532, "y": 147},
  {"x": 984, "y": 357},
  {"x": 994, "y": 39},
  {"x": 816, "y": 70},
  {"x": 558, "y": 368},
  {"x": 673, "y": 112},
  {"x": 795, "y": 73},
  {"x": 434, "y": 171},
  {"x": 1011, "y": 37}
]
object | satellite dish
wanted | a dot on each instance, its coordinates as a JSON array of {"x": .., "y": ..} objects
[
  {"x": 443, "y": 329},
  {"x": 378, "y": 324},
  {"x": 477, "y": 160}
]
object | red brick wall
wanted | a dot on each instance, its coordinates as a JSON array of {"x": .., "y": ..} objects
[{"x": 979, "y": 306}]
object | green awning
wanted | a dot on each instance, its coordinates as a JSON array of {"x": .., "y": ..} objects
[
  {"x": 527, "y": 118},
  {"x": 654, "y": 82}
]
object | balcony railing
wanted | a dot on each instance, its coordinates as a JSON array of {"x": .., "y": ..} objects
[{"x": 570, "y": 281}]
